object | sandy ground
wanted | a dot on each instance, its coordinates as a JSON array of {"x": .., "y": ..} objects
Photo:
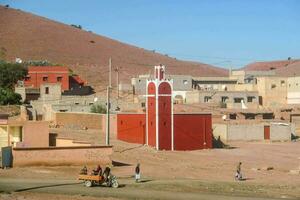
[
  {"x": 209, "y": 171},
  {"x": 38, "y": 196}
]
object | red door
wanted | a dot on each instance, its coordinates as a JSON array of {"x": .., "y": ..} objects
[{"x": 266, "y": 132}]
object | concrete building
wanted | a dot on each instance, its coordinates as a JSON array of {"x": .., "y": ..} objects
[
  {"x": 214, "y": 83},
  {"x": 293, "y": 90},
  {"x": 225, "y": 99},
  {"x": 246, "y": 77},
  {"x": 19, "y": 133},
  {"x": 272, "y": 91}
]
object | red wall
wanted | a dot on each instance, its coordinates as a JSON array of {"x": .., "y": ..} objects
[
  {"x": 164, "y": 120},
  {"x": 36, "y": 74},
  {"x": 131, "y": 128},
  {"x": 192, "y": 131},
  {"x": 151, "y": 115}
]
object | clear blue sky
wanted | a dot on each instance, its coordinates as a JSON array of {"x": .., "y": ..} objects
[{"x": 221, "y": 32}]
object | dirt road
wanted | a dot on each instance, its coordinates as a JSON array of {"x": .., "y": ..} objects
[{"x": 149, "y": 189}]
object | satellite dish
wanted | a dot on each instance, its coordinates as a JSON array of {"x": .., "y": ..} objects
[
  {"x": 19, "y": 60},
  {"x": 224, "y": 117},
  {"x": 244, "y": 105}
]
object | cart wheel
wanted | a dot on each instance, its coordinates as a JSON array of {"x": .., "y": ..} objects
[
  {"x": 115, "y": 184},
  {"x": 88, "y": 183}
]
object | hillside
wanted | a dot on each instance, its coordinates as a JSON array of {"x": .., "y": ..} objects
[
  {"x": 281, "y": 67},
  {"x": 32, "y": 37}
]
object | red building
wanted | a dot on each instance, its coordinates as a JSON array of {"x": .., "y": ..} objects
[
  {"x": 160, "y": 127},
  {"x": 38, "y": 75}
]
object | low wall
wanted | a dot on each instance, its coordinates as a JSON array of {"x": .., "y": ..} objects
[
  {"x": 252, "y": 132},
  {"x": 62, "y": 155},
  {"x": 280, "y": 132},
  {"x": 65, "y": 142},
  {"x": 220, "y": 130},
  {"x": 245, "y": 132}
]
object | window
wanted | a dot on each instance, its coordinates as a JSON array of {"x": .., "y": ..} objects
[
  {"x": 282, "y": 83},
  {"x": 59, "y": 79},
  {"x": 207, "y": 98},
  {"x": 46, "y": 90},
  {"x": 268, "y": 116},
  {"x": 238, "y": 100},
  {"x": 273, "y": 86},
  {"x": 143, "y": 104},
  {"x": 232, "y": 116},
  {"x": 45, "y": 78},
  {"x": 250, "y": 99},
  {"x": 224, "y": 99},
  {"x": 249, "y": 116},
  {"x": 27, "y": 78}
]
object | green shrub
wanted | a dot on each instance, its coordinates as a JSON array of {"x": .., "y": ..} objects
[
  {"x": 8, "y": 97},
  {"x": 98, "y": 109}
]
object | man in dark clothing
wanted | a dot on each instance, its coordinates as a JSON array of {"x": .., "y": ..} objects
[
  {"x": 97, "y": 170},
  {"x": 106, "y": 173},
  {"x": 137, "y": 173},
  {"x": 238, "y": 175}
]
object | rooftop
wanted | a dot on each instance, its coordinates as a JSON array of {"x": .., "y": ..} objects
[{"x": 48, "y": 69}]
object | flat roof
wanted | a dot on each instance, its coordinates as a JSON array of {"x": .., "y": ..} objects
[
  {"x": 48, "y": 69},
  {"x": 213, "y": 79}
]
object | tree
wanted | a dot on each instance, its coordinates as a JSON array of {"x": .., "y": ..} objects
[
  {"x": 7, "y": 96},
  {"x": 98, "y": 109},
  {"x": 10, "y": 73}
]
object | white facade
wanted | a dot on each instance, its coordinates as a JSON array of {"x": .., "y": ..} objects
[{"x": 293, "y": 90}]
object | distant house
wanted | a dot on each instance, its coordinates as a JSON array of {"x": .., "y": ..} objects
[{"x": 38, "y": 75}]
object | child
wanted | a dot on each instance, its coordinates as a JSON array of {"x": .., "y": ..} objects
[{"x": 137, "y": 173}]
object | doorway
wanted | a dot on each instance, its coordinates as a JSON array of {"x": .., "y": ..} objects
[{"x": 266, "y": 132}]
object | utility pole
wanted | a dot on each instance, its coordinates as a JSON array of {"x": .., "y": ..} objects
[
  {"x": 117, "y": 70},
  {"x": 108, "y": 105}
]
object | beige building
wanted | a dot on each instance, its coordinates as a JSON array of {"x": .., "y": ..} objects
[
  {"x": 19, "y": 133},
  {"x": 293, "y": 90},
  {"x": 272, "y": 91}
]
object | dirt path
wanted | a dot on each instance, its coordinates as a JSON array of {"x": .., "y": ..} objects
[{"x": 149, "y": 189}]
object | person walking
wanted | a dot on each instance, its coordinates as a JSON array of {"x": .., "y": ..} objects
[
  {"x": 238, "y": 175},
  {"x": 137, "y": 173}
]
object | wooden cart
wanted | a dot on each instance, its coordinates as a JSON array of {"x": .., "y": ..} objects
[{"x": 91, "y": 180}]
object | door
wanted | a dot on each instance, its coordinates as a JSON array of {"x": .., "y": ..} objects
[
  {"x": 266, "y": 132},
  {"x": 260, "y": 100},
  {"x": 7, "y": 158}
]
